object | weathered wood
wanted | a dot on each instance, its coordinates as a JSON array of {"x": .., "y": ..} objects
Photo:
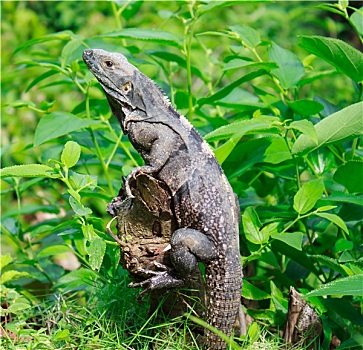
[
  {"x": 145, "y": 224},
  {"x": 303, "y": 326}
]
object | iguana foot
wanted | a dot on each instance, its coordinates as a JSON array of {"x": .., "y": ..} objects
[
  {"x": 160, "y": 280},
  {"x": 118, "y": 205}
]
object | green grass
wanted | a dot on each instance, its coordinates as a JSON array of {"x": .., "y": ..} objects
[{"x": 111, "y": 318}]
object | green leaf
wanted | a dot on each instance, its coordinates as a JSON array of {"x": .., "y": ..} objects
[
  {"x": 329, "y": 262},
  {"x": 13, "y": 275},
  {"x": 342, "y": 245},
  {"x": 341, "y": 55},
  {"x": 74, "y": 280},
  {"x": 238, "y": 63},
  {"x": 40, "y": 78},
  {"x": 290, "y": 70},
  {"x": 306, "y": 107},
  {"x": 88, "y": 232},
  {"x": 5, "y": 260},
  {"x": 234, "y": 132},
  {"x": 249, "y": 291},
  {"x": 249, "y": 36},
  {"x": 22, "y": 103},
  {"x": 350, "y": 175},
  {"x": 181, "y": 62},
  {"x": 251, "y": 227},
  {"x": 53, "y": 250},
  {"x": 343, "y": 4},
  {"x": 299, "y": 257},
  {"x": 240, "y": 99},
  {"x": 326, "y": 208},
  {"x": 18, "y": 306},
  {"x": 293, "y": 239},
  {"x": 334, "y": 219},
  {"x": 62, "y": 335},
  {"x": 217, "y": 4},
  {"x": 357, "y": 20},
  {"x": 64, "y": 35},
  {"x": 306, "y": 127},
  {"x": 96, "y": 252},
  {"x": 72, "y": 51},
  {"x": 229, "y": 88},
  {"x": 343, "y": 125},
  {"x": 70, "y": 154},
  {"x": 240, "y": 127},
  {"x": 341, "y": 197},
  {"x": 57, "y": 124},
  {"x": 80, "y": 181},
  {"x": 152, "y": 35},
  {"x": 78, "y": 207},
  {"x": 29, "y": 170},
  {"x": 277, "y": 151},
  {"x": 308, "y": 195},
  {"x": 316, "y": 76},
  {"x": 351, "y": 285}
]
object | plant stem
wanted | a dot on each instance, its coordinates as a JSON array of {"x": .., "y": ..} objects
[
  {"x": 188, "y": 37},
  {"x": 98, "y": 150}
]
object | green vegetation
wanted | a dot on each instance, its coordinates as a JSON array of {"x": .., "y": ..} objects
[{"x": 275, "y": 93}]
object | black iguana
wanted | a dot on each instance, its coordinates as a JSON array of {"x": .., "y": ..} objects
[{"x": 204, "y": 204}]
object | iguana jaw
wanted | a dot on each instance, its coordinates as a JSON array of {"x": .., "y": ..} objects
[{"x": 112, "y": 71}]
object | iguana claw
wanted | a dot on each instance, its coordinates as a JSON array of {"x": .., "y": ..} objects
[{"x": 160, "y": 280}]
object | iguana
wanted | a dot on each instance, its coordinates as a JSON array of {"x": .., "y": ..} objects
[{"x": 205, "y": 207}]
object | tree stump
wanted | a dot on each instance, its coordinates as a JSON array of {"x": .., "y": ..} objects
[{"x": 145, "y": 224}]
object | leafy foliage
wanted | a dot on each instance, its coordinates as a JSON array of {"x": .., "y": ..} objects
[{"x": 285, "y": 127}]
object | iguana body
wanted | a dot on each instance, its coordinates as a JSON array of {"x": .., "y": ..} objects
[{"x": 204, "y": 204}]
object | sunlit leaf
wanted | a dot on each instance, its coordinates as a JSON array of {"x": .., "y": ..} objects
[
  {"x": 57, "y": 124},
  {"x": 53, "y": 250},
  {"x": 96, "y": 252},
  {"x": 341, "y": 55},
  {"x": 334, "y": 219},
  {"x": 151, "y": 35},
  {"x": 351, "y": 285},
  {"x": 277, "y": 151},
  {"x": 251, "y": 227},
  {"x": 306, "y": 127},
  {"x": 248, "y": 35},
  {"x": 238, "y": 63},
  {"x": 70, "y": 154},
  {"x": 343, "y": 125},
  {"x": 308, "y": 195},
  {"x": 78, "y": 207},
  {"x": 357, "y": 19},
  {"x": 229, "y": 88},
  {"x": 64, "y": 35},
  {"x": 11, "y": 275},
  {"x": 293, "y": 239},
  {"x": 290, "y": 70},
  {"x": 249, "y": 291},
  {"x": 29, "y": 170}
]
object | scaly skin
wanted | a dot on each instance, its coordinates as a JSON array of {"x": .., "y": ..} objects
[{"x": 204, "y": 204}]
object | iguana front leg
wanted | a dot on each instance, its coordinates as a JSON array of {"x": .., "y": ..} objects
[{"x": 155, "y": 145}]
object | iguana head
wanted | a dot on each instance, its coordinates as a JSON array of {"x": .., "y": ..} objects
[{"x": 121, "y": 81}]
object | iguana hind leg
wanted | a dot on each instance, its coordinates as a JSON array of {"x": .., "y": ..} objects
[{"x": 188, "y": 246}]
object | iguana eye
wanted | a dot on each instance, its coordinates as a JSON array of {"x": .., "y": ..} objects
[
  {"x": 127, "y": 87},
  {"x": 109, "y": 64}
]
